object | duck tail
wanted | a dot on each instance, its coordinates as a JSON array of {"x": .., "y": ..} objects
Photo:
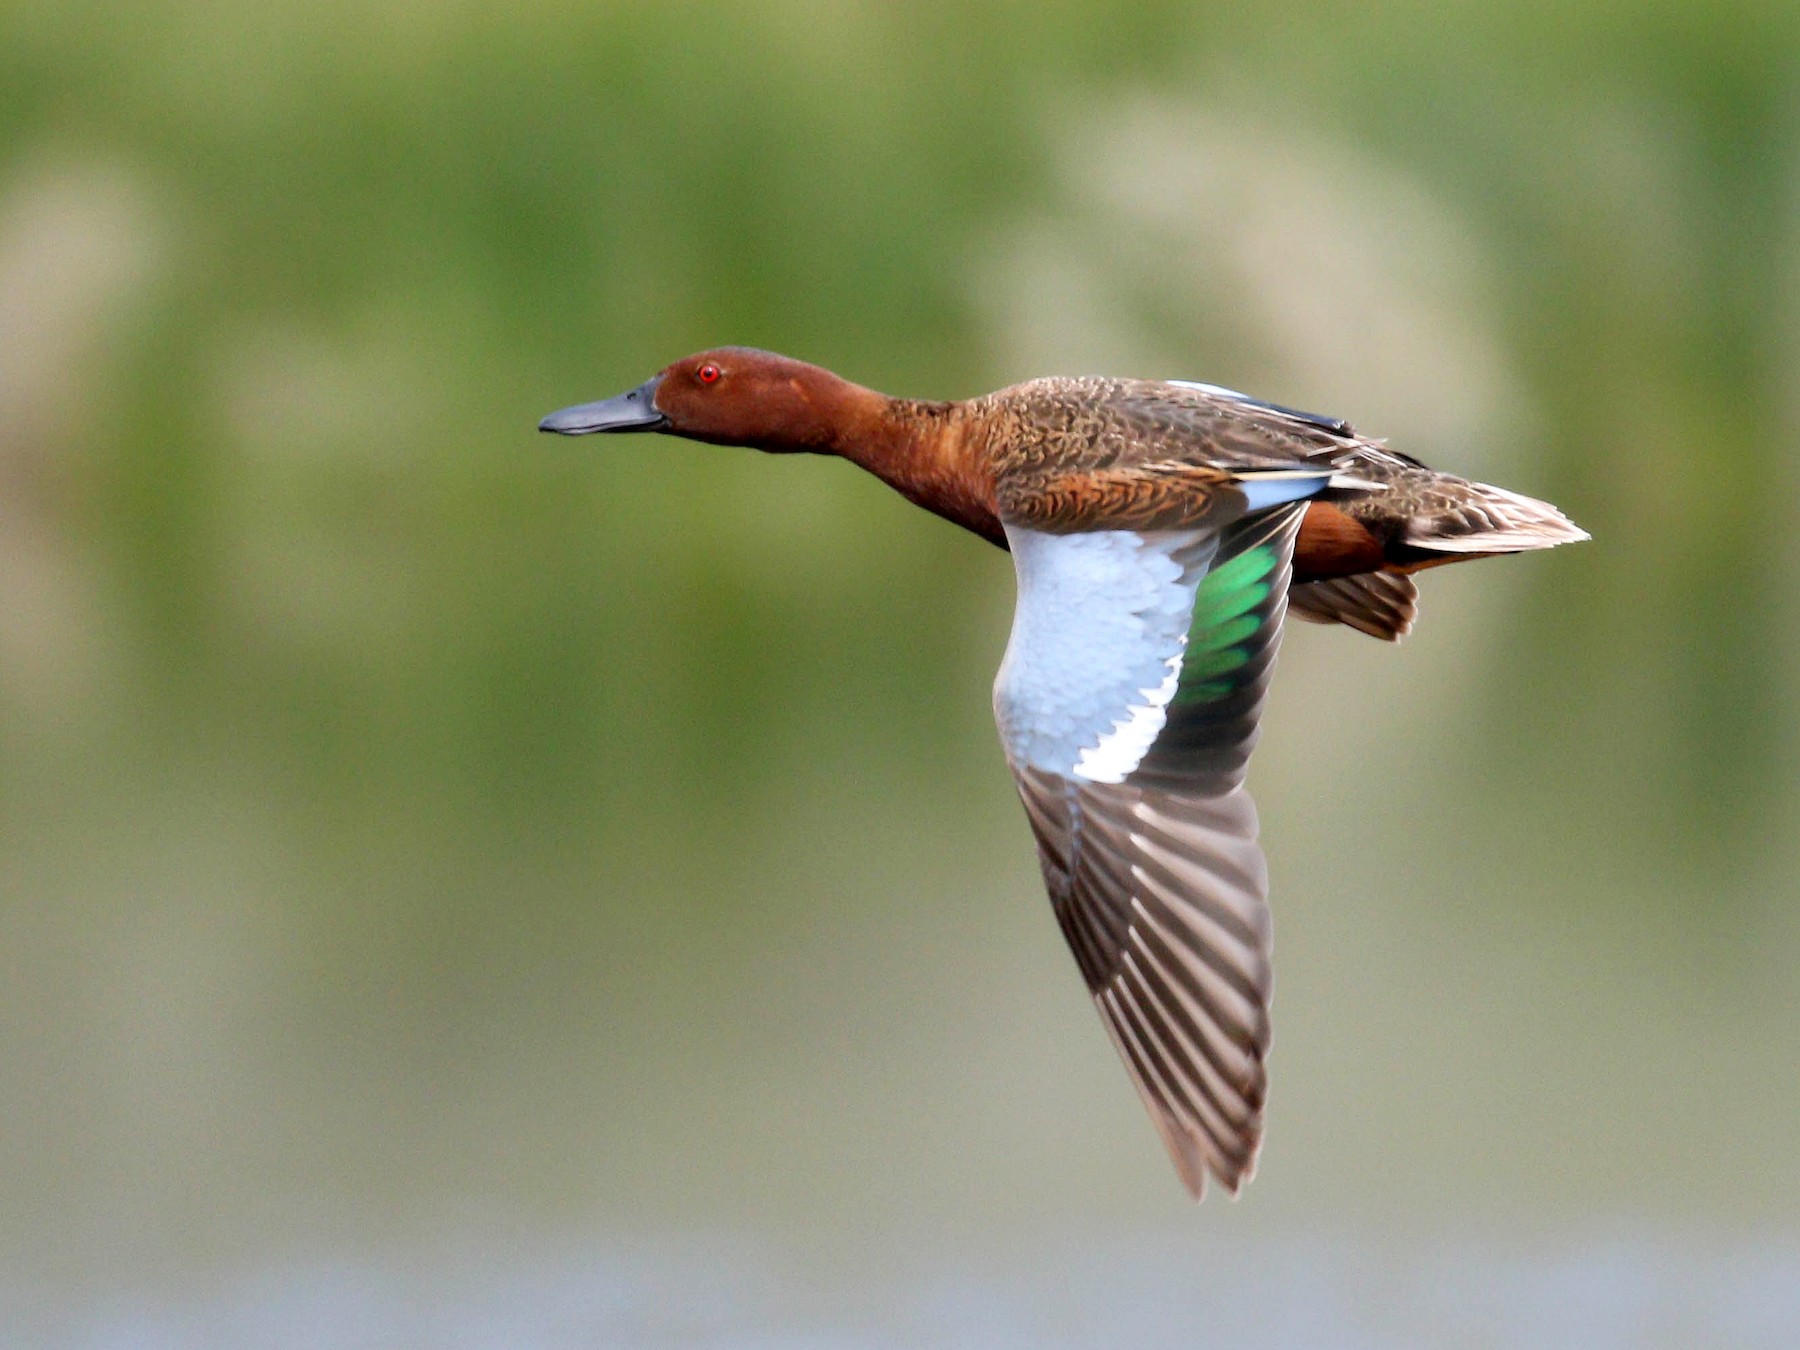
[{"x": 1480, "y": 518}]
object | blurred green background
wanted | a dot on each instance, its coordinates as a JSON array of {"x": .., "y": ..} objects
[{"x": 415, "y": 831}]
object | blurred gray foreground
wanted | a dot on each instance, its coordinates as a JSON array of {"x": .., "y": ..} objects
[{"x": 1144, "y": 1294}]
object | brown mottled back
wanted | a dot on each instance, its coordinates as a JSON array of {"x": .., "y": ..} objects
[{"x": 1103, "y": 453}]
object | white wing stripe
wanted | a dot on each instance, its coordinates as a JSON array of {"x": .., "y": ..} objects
[{"x": 1122, "y": 749}]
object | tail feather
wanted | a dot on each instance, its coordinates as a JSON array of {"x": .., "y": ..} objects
[{"x": 1480, "y": 518}]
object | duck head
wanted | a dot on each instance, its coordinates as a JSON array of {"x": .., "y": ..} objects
[{"x": 732, "y": 396}]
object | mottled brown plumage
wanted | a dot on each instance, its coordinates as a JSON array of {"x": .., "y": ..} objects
[{"x": 1075, "y": 454}]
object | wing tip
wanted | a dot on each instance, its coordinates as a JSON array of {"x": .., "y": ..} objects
[{"x": 1199, "y": 1174}]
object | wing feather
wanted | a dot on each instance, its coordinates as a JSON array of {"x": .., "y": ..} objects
[{"x": 1382, "y": 604}]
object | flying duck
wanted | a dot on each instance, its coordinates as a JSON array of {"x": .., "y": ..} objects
[{"x": 1160, "y": 530}]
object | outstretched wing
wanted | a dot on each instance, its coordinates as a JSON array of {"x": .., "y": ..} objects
[
  {"x": 1128, "y": 704},
  {"x": 1382, "y": 604}
]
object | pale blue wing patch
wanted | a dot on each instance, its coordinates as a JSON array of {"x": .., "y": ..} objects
[
  {"x": 1216, "y": 390},
  {"x": 1102, "y": 653},
  {"x": 1264, "y": 490},
  {"x": 1096, "y": 648}
]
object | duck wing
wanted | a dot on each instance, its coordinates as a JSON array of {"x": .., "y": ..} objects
[
  {"x": 1382, "y": 604},
  {"x": 1128, "y": 704}
]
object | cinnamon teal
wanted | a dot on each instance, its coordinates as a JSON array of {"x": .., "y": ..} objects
[{"x": 1160, "y": 531}]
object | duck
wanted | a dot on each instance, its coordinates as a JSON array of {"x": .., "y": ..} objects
[{"x": 1161, "y": 531}]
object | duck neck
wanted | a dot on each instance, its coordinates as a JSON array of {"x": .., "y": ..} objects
[{"x": 928, "y": 452}]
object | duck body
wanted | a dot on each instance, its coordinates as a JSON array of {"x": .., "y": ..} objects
[{"x": 1160, "y": 531}]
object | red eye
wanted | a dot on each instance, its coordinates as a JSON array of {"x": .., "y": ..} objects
[{"x": 708, "y": 373}]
